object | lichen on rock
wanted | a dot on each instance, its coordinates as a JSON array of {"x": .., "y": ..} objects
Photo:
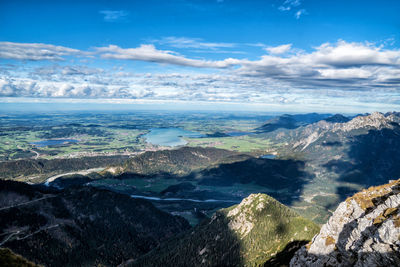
[{"x": 363, "y": 231}]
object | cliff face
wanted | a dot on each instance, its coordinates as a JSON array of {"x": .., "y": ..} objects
[{"x": 363, "y": 231}]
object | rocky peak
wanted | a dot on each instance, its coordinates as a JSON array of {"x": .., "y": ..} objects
[
  {"x": 260, "y": 231},
  {"x": 243, "y": 217},
  {"x": 393, "y": 116},
  {"x": 375, "y": 120},
  {"x": 363, "y": 231}
]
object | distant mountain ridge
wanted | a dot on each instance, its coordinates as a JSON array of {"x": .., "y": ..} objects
[
  {"x": 366, "y": 144},
  {"x": 288, "y": 121},
  {"x": 337, "y": 118}
]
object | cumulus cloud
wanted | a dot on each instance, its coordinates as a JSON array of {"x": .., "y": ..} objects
[
  {"x": 17, "y": 88},
  {"x": 35, "y": 51},
  {"x": 344, "y": 54},
  {"x": 150, "y": 53},
  {"x": 114, "y": 15},
  {"x": 6, "y": 89},
  {"x": 340, "y": 62},
  {"x": 25, "y": 87}
]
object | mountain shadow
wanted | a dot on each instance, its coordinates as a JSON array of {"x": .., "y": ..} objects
[
  {"x": 80, "y": 226},
  {"x": 283, "y": 257},
  {"x": 10, "y": 259},
  {"x": 285, "y": 178},
  {"x": 371, "y": 159}
]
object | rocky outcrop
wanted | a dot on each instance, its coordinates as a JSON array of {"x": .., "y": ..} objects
[
  {"x": 376, "y": 120},
  {"x": 363, "y": 231},
  {"x": 342, "y": 127}
]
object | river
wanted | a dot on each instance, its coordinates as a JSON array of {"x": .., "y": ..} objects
[{"x": 182, "y": 199}]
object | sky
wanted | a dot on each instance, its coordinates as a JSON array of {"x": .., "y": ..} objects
[{"x": 270, "y": 55}]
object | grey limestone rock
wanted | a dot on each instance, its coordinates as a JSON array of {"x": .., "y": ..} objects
[{"x": 363, "y": 231}]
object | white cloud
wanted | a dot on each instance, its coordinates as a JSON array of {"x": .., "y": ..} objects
[
  {"x": 342, "y": 61},
  {"x": 198, "y": 43},
  {"x": 289, "y": 4},
  {"x": 114, "y": 15},
  {"x": 284, "y": 8},
  {"x": 281, "y": 49},
  {"x": 345, "y": 54},
  {"x": 299, "y": 13},
  {"x": 328, "y": 74},
  {"x": 80, "y": 70},
  {"x": 6, "y": 88},
  {"x": 35, "y": 51},
  {"x": 151, "y": 54}
]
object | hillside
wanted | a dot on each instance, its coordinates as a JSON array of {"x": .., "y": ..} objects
[
  {"x": 39, "y": 169},
  {"x": 363, "y": 231},
  {"x": 258, "y": 230},
  {"x": 10, "y": 259},
  {"x": 81, "y": 226},
  {"x": 179, "y": 162}
]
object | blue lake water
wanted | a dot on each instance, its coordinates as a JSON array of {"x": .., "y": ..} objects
[
  {"x": 268, "y": 156},
  {"x": 54, "y": 142},
  {"x": 169, "y": 136}
]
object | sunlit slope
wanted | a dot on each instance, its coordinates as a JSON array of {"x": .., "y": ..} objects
[{"x": 258, "y": 230}]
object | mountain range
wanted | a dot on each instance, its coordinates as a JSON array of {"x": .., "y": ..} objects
[{"x": 321, "y": 162}]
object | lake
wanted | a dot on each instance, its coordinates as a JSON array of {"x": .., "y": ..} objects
[
  {"x": 268, "y": 156},
  {"x": 54, "y": 142},
  {"x": 169, "y": 136}
]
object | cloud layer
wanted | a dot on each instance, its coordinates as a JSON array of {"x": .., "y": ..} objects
[
  {"x": 149, "y": 53},
  {"x": 332, "y": 73},
  {"x": 35, "y": 51}
]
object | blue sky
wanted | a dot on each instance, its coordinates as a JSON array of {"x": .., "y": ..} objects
[{"x": 275, "y": 55}]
